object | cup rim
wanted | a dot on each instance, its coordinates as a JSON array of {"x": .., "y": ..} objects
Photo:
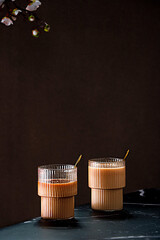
[
  {"x": 106, "y": 160},
  {"x": 53, "y": 167}
]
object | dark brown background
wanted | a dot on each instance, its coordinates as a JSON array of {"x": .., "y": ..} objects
[{"x": 90, "y": 86}]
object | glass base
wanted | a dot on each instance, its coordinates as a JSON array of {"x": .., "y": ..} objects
[
  {"x": 57, "y": 208},
  {"x": 107, "y": 199}
]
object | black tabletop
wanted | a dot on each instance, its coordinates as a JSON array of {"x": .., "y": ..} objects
[{"x": 140, "y": 219}]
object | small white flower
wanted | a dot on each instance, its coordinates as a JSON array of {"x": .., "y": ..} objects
[
  {"x": 33, "y": 5},
  {"x": 35, "y": 33},
  {"x": 31, "y": 18},
  {"x": 6, "y": 21}
]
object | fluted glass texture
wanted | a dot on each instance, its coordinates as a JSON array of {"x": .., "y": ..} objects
[
  {"x": 106, "y": 178},
  {"x": 57, "y": 186}
]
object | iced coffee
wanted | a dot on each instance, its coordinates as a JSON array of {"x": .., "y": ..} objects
[
  {"x": 106, "y": 178},
  {"x": 57, "y": 187}
]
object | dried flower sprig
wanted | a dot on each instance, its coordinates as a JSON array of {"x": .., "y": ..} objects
[{"x": 12, "y": 10}]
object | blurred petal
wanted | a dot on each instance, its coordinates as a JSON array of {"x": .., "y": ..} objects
[
  {"x": 1, "y": 2},
  {"x": 6, "y": 21},
  {"x": 16, "y": 11},
  {"x": 33, "y": 5},
  {"x": 13, "y": 18}
]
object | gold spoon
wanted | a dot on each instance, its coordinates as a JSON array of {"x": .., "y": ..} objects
[
  {"x": 126, "y": 154},
  {"x": 78, "y": 160}
]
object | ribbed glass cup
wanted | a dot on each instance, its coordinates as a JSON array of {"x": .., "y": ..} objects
[
  {"x": 57, "y": 186},
  {"x": 106, "y": 178}
]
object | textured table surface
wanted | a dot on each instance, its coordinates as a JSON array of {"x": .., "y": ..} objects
[{"x": 136, "y": 221}]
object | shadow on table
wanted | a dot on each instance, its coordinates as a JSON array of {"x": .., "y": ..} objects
[
  {"x": 69, "y": 223},
  {"x": 115, "y": 215}
]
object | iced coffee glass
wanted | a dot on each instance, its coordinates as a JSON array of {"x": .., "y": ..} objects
[
  {"x": 106, "y": 178},
  {"x": 57, "y": 187}
]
